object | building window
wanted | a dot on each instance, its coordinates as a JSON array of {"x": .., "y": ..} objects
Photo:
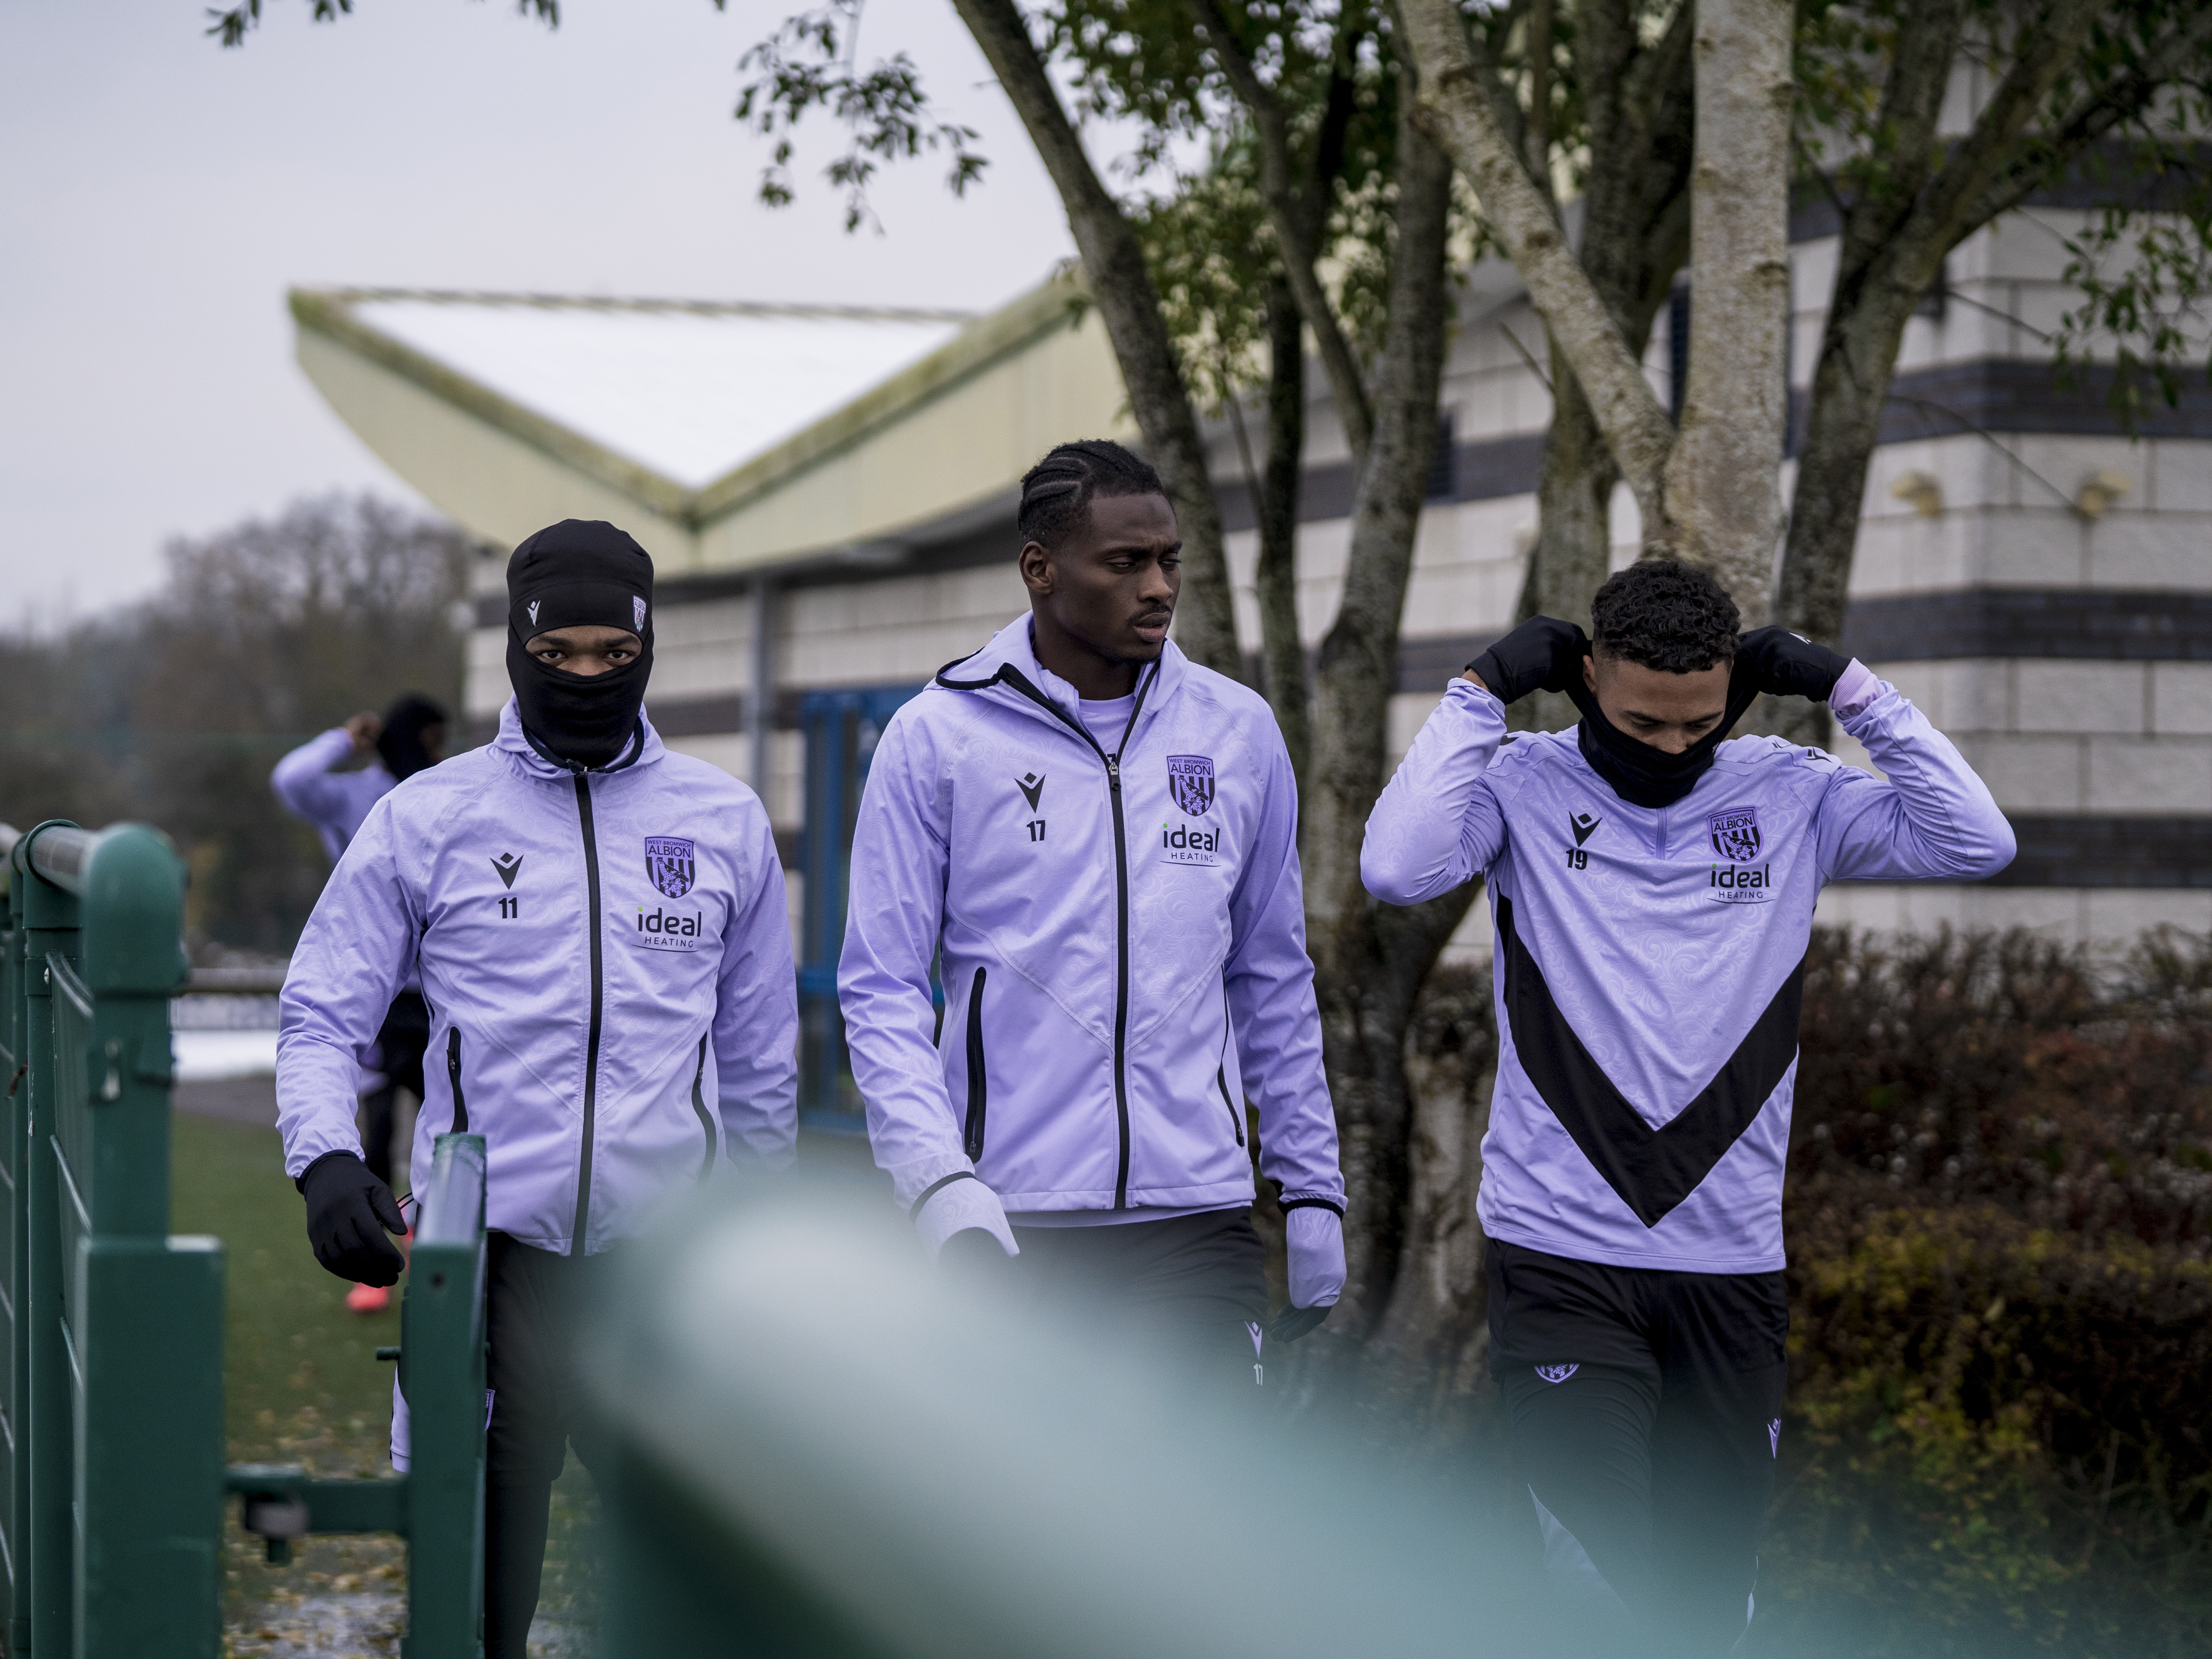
[
  {"x": 1443, "y": 463},
  {"x": 1932, "y": 304}
]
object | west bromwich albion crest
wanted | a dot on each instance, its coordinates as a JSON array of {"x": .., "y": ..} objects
[
  {"x": 668, "y": 860},
  {"x": 1735, "y": 833},
  {"x": 1190, "y": 781}
]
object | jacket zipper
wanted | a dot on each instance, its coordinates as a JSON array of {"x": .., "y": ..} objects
[
  {"x": 1236, "y": 1119},
  {"x": 1121, "y": 924},
  {"x": 591, "y": 1037},
  {"x": 1221, "y": 1072},
  {"x": 699, "y": 1105},
  {"x": 453, "y": 1075},
  {"x": 979, "y": 1083},
  {"x": 1009, "y": 675}
]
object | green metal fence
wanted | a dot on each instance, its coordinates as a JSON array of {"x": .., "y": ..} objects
[{"x": 110, "y": 1408}]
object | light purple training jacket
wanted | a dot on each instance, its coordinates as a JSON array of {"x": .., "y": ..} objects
[
  {"x": 607, "y": 959},
  {"x": 1650, "y": 961},
  {"x": 1122, "y": 947},
  {"x": 308, "y": 783}
]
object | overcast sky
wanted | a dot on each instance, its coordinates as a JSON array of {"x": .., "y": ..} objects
[{"x": 160, "y": 194}]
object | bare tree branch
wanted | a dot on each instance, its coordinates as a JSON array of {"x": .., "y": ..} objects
[
  {"x": 1121, "y": 287},
  {"x": 1293, "y": 213},
  {"x": 1457, "y": 109}
]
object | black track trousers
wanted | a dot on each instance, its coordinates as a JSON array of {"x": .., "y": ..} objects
[
  {"x": 1646, "y": 1409},
  {"x": 534, "y": 1301},
  {"x": 399, "y": 1045},
  {"x": 1191, "y": 1291}
]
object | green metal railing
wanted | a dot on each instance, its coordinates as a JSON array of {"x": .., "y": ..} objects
[{"x": 111, "y": 1406}]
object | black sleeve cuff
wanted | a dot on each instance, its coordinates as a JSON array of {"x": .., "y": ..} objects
[
  {"x": 1330, "y": 1205},
  {"x": 936, "y": 1187}
]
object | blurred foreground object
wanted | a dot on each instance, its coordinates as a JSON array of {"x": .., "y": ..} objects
[{"x": 822, "y": 1447}]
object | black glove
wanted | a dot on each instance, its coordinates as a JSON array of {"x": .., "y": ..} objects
[
  {"x": 1542, "y": 654},
  {"x": 1292, "y": 1324},
  {"x": 348, "y": 1212},
  {"x": 1787, "y": 666}
]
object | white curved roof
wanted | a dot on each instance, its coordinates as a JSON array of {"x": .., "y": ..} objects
[{"x": 687, "y": 389}]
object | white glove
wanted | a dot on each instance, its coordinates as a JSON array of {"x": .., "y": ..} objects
[
  {"x": 960, "y": 1204},
  {"x": 1314, "y": 1239},
  {"x": 403, "y": 1427}
]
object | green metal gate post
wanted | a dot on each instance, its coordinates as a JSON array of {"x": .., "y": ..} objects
[
  {"x": 46, "y": 920},
  {"x": 136, "y": 1340},
  {"x": 442, "y": 1352},
  {"x": 15, "y": 1487},
  {"x": 439, "y": 1503},
  {"x": 110, "y": 1399}
]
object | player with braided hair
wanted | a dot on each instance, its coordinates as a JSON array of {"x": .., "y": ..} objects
[{"x": 1095, "y": 842}]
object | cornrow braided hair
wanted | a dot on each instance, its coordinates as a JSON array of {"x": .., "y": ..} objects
[{"x": 1057, "y": 492}]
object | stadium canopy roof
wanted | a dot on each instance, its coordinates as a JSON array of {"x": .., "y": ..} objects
[{"x": 727, "y": 436}]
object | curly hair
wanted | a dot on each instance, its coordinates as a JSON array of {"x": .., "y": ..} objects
[
  {"x": 1665, "y": 615},
  {"x": 1057, "y": 492}
]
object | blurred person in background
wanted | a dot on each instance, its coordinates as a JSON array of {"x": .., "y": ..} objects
[
  {"x": 1653, "y": 888},
  {"x": 331, "y": 782},
  {"x": 599, "y": 929},
  {"x": 1094, "y": 841}
]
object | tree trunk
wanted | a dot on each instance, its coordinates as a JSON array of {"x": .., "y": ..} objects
[
  {"x": 1892, "y": 246},
  {"x": 1722, "y": 477},
  {"x": 1850, "y": 385},
  {"x": 1459, "y": 107},
  {"x": 1121, "y": 287},
  {"x": 1433, "y": 1325},
  {"x": 1574, "y": 533},
  {"x": 1371, "y": 959},
  {"x": 1294, "y": 213},
  {"x": 1275, "y": 580}
]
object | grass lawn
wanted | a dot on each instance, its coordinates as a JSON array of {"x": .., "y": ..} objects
[{"x": 302, "y": 1385}]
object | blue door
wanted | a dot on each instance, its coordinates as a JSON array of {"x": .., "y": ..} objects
[{"x": 840, "y": 729}]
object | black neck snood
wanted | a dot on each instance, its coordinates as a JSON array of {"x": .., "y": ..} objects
[
  {"x": 1639, "y": 774},
  {"x": 578, "y": 573}
]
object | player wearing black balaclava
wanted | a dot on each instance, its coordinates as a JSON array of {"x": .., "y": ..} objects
[
  {"x": 601, "y": 933},
  {"x": 579, "y": 574}
]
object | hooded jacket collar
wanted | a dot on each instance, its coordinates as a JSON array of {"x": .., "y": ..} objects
[
  {"x": 512, "y": 742},
  {"x": 1007, "y": 670}
]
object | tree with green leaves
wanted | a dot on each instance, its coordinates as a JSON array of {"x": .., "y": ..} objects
[
  {"x": 1854, "y": 106},
  {"x": 1601, "y": 145}
]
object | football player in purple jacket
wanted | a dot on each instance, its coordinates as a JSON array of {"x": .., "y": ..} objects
[
  {"x": 600, "y": 930},
  {"x": 1653, "y": 887},
  {"x": 323, "y": 782},
  {"x": 1095, "y": 842}
]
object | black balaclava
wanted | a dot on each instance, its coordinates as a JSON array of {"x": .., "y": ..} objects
[
  {"x": 399, "y": 745},
  {"x": 1644, "y": 775},
  {"x": 579, "y": 573}
]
